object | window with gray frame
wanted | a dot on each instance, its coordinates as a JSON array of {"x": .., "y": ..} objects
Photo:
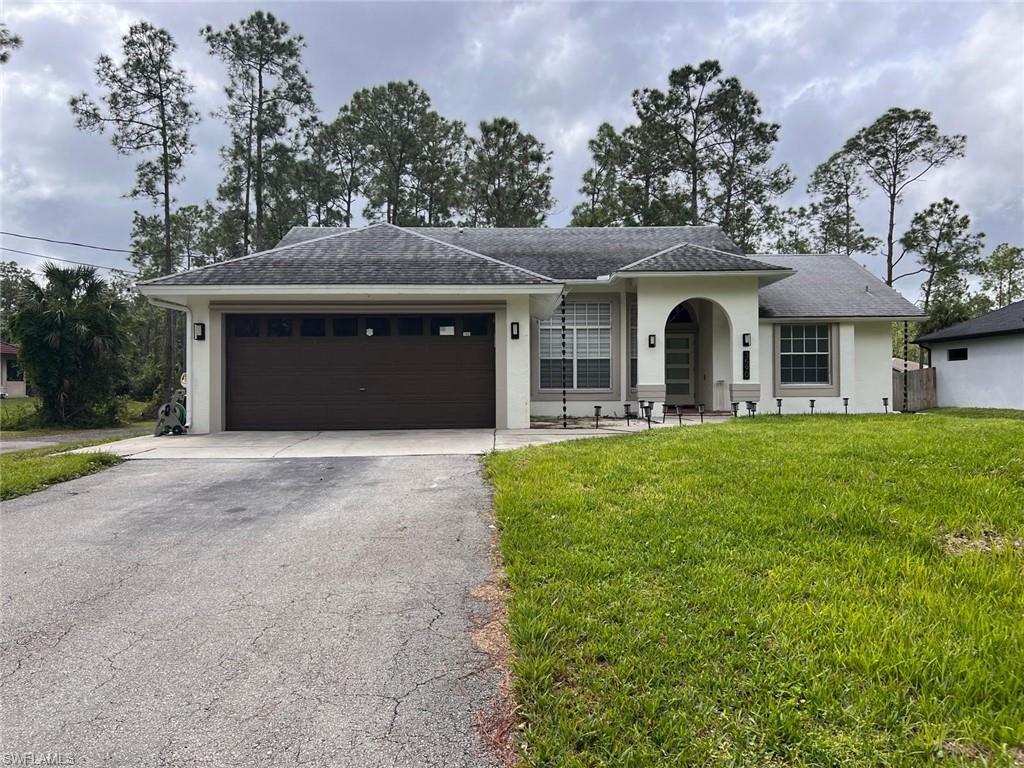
[
  {"x": 805, "y": 354},
  {"x": 588, "y": 347}
]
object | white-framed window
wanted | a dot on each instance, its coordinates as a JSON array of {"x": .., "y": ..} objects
[
  {"x": 588, "y": 347},
  {"x": 805, "y": 355},
  {"x": 633, "y": 323}
]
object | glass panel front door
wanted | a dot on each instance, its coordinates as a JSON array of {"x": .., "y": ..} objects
[{"x": 679, "y": 368}]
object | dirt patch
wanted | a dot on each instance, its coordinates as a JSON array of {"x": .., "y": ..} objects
[
  {"x": 498, "y": 726},
  {"x": 962, "y": 543},
  {"x": 974, "y": 752}
]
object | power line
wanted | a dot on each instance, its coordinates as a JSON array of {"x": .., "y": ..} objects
[
  {"x": 77, "y": 245},
  {"x": 68, "y": 261}
]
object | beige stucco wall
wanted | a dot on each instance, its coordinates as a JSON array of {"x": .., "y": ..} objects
[{"x": 9, "y": 388}]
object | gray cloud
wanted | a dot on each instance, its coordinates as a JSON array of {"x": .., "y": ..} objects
[{"x": 820, "y": 70}]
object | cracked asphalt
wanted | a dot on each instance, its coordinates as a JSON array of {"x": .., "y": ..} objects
[{"x": 270, "y": 612}]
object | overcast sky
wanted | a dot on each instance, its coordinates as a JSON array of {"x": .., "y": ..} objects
[{"x": 820, "y": 70}]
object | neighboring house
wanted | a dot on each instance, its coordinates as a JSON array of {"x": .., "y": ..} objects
[
  {"x": 12, "y": 383},
  {"x": 980, "y": 363},
  {"x": 404, "y": 327}
]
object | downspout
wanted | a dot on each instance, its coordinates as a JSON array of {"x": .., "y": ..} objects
[{"x": 164, "y": 304}]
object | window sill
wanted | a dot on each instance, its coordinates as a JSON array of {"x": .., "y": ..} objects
[{"x": 807, "y": 390}]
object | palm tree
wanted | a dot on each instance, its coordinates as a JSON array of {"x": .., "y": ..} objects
[{"x": 70, "y": 333}]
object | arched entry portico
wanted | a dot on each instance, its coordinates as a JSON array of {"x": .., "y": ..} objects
[
  {"x": 727, "y": 348},
  {"x": 698, "y": 356}
]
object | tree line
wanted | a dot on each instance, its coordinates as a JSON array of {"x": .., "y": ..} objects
[
  {"x": 284, "y": 165},
  {"x": 698, "y": 152}
]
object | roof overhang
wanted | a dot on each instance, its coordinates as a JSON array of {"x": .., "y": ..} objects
[
  {"x": 840, "y": 318},
  {"x": 924, "y": 341},
  {"x": 305, "y": 291}
]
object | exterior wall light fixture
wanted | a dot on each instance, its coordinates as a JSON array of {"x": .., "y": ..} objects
[
  {"x": 514, "y": 330},
  {"x": 746, "y": 339},
  {"x": 652, "y": 341},
  {"x": 199, "y": 331}
]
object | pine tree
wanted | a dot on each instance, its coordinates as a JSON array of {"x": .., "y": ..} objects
[{"x": 146, "y": 104}]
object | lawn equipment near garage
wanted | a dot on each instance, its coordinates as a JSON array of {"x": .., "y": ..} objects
[{"x": 171, "y": 416}]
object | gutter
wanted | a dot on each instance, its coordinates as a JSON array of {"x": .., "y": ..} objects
[{"x": 164, "y": 304}]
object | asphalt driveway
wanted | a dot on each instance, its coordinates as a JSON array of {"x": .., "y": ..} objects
[{"x": 213, "y": 612}]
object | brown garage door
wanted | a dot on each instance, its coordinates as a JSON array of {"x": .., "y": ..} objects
[{"x": 359, "y": 372}]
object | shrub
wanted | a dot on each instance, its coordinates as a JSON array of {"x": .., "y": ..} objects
[{"x": 70, "y": 333}]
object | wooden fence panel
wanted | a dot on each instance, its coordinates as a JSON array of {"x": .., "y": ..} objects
[{"x": 920, "y": 390}]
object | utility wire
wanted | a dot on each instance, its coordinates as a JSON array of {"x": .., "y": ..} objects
[
  {"x": 68, "y": 261},
  {"x": 77, "y": 245}
]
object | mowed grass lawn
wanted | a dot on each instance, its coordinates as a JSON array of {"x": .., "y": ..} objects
[
  {"x": 770, "y": 592},
  {"x": 33, "y": 469}
]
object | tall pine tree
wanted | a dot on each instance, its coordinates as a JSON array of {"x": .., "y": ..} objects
[
  {"x": 267, "y": 86},
  {"x": 146, "y": 104}
]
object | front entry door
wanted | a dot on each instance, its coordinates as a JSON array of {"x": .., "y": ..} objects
[{"x": 679, "y": 368}]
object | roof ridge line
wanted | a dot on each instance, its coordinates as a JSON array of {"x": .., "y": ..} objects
[
  {"x": 726, "y": 253},
  {"x": 262, "y": 253},
  {"x": 410, "y": 231},
  {"x": 663, "y": 251}
]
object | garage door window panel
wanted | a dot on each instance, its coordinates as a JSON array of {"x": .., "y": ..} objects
[
  {"x": 378, "y": 326},
  {"x": 313, "y": 326},
  {"x": 279, "y": 326},
  {"x": 246, "y": 327},
  {"x": 442, "y": 326},
  {"x": 345, "y": 326},
  {"x": 476, "y": 325},
  {"x": 410, "y": 326}
]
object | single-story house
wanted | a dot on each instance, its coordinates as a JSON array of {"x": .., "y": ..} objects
[
  {"x": 407, "y": 327},
  {"x": 12, "y": 382},
  {"x": 980, "y": 363}
]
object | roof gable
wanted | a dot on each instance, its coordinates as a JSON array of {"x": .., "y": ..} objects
[{"x": 380, "y": 254}]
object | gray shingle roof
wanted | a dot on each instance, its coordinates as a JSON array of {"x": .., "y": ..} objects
[
  {"x": 830, "y": 285},
  {"x": 585, "y": 253},
  {"x": 378, "y": 255},
  {"x": 822, "y": 286},
  {"x": 689, "y": 257},
  {"x": 1000, "y": 322}
]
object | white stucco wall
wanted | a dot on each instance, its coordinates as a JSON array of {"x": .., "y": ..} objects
[
  {"x": 736, "y": 297},
  {"x": 992, "y": 376},
  {"x": 865, "y": 371},
  {"x": 512, "y": 357}
]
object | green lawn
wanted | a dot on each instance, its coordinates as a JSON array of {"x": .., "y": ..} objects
[
  {"x": 16, "y": 418},
  {"x": 770, "y": 592},
  {"x": 31, "y": 470},
  {"x": 979, "y": 413}
]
